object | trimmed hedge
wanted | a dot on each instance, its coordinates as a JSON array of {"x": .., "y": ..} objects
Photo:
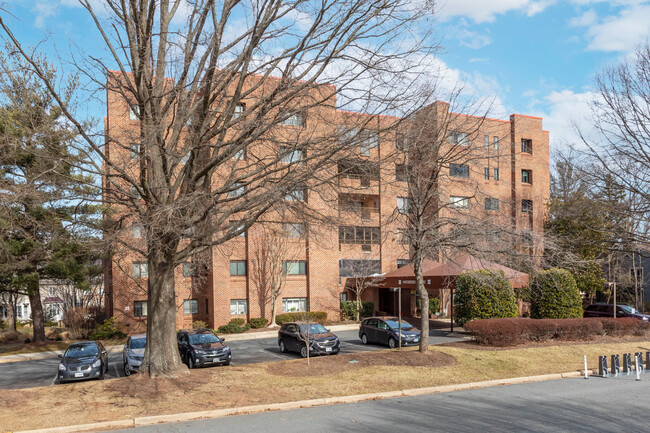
[
  {"x": 234, "y": 327},
  {"x": 554, "y": 295},
  {"x": 312, "y": 316},
  {"x": 349, "y": 309},
  {"x": 514, "y": 331},
  {"x": 483, "y": 294},
  {"x": 199, "y": 324},
  {"x": 258, "y": 322}
]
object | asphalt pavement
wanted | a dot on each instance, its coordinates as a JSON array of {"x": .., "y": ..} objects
[
  {"x": 28, "y": 374},
  {"x": 567, "y": 405}
]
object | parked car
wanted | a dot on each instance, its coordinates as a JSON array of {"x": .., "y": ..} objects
[
  {"x": 85, "y": 360},
  {"x": 385, "y": 330},
  {"x": 607, "y": 310},
  {"x": 133, "y": 353},
  {"x": 293, "y": 337},
  {"x": 202, "y": 347}
]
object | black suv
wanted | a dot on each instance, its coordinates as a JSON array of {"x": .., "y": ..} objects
[
  {"x": 607, "y": 310},
  {"x": 201, "y": 347},
  {"x": 294, "y": 336},
  {"x": 385, "y": 330}
]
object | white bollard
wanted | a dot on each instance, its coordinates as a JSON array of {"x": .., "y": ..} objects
[
  {"x": 636, "y": 363},
  {"x": 586, "y": 372}
]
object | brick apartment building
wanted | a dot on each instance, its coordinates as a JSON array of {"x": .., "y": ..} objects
[{"x": 510, "y": 181}]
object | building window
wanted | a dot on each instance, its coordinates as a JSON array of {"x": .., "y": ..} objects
[
  {"x": 403, "y": 205},
  {"x": 189, "y": 269},
  {"x": 235, "y": 226},
  {"x": 359, "y": 235},
  {"x": 496, "y": 142},
  {"x": 51, "y": 291},
  {"x": 486, "y": 173},
  {"x": 486, "y": 141},
  {"x": 358, "y": 268},
  {"x": 237, "y": 190},
  {"x": 238, "y": 306},
  {"x": 402, "y": 262},
  {"x": 134, "y": 149},
  {"x": 3, "y": 312},
  {"x": 369, "y": 140},
  {"x": 238, "y": 267},
  {"x": 366, "y": 248},
  {"x": 459, "y": 170},
  {"x": 140, "y": 308},
  {"x": 458, "y": 202},
  {"x": 527, "y": 176},
  {"x": 294, "y": 304},
  {"x": 402, "y": 237},
  {"x": 240, "y": 155},
  {"x": 491, "y": 203},
  {"x": 400, "y": 173},
  {"x": 296, "y": 119},
  {"x": 137, "y": 230},
  {"x": 296, "y": 195},
  {"x": 343, "y": 296},
  {"x": 140, "y": 270},
  {"x": 461, "y": 138},
  {"x": 134, "y": 112},
  {"x": 290, "y": 155},
  {"x": 526, "y": 145},
  {"x": 239, "y": 110},
  {"x": 190, "y": 306},
  {"x": 526, "y": 206},
  {"x": 293, "y": 230},
  {"x": 298, "y": 267},
  {"x": 19, "y": 311},
  {"x": 496, "y": 174}
]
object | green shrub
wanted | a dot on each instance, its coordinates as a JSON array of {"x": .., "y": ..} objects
[
  {"x": 554, "y": 295},
  {"x": 235, "y": 326},
  {"x": 483, "y": 294},
  {"x": 199, "y": 324},
  {"x": 434, "y": 305},
  {"x": 108, "y": 330},
  {"x": 258, "y": 322},
  {"x": 349, "y": 309},
  {"x": 50, "y": 324},
  {"x": 3, "y": 324},
  {"x": 312, "y": 316}
]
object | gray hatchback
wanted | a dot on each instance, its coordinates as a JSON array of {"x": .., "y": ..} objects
[{"x": 85, "y": 360}]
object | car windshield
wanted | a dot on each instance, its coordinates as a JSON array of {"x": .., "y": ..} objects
[
  {"x": 316, "y": 328},
  {"x": 394, "y": 325},
  {"x": 138, "y": 343},
  {"x": 81, "y": 351},
  {"x": 204, "y": 339},
  {"x": 627, "y": 309}
]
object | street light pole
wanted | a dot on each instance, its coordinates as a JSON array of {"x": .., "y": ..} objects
[{"x": 399, "y": 315}]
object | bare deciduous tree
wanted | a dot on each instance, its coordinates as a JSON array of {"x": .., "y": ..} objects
[
  {"x": 234, "y": 114},
  {"x": 365, "y": 273}
]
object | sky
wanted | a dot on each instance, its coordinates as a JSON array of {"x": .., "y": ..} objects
[{"x": 534, "y": 57}]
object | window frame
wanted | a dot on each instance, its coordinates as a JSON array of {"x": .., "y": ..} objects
[
  {"x": 495, "y": 174},
  {"x": 288, "y": 267},
  {"x": 526, "y": 206},
  {"x": 527, "y": 146},
  {"x": 193, "y": 307},
  {"x": 293, "y": 230},
  {"x": 190, "y": 269},
  {"x": 143, "y": 310},
  {"x": 238, "y": 264},
  {"x": 486, "y": 173},
  {"x": 301, "y": 301},
  {"x": 297, "y": 120},
  {"x": 139, "y": 273},
  {"x": 459, "y": 199},
  {"x": 459, "y": 170},
  {"x": 403, "y": 205},
  {"x": 527, "y": 176},
  {"x": 240, "y": 307},
  {"x": 490, "y": 204}
]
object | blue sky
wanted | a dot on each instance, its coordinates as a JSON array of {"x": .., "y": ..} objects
[{"x": 536, "y": 57}]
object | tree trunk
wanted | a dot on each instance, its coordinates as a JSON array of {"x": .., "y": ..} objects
[
  {"x": 424, "y": 305},
  {"x": 273, "y": 301},
  {"x": 38, "y": 319},
  {"x": 11, "y": 313},
  {"x": 358, "y": 307},
  {"x": 165, "y": 360}
]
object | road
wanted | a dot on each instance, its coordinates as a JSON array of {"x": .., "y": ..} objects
[
  {"x": 575, "y": 405},
  {"x": 27, "y": 374}
]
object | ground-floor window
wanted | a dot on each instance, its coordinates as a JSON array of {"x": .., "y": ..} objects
[
  {"x": 3, "y": 312},
  {"x": 19, "y": 311},
  {"x": 140, "y": 308},
  {"x": 294, "y": 304},
  {"x": 344, "y": 296},
  {"x": 53, "y": 310},
  {"x": 238, "y": 306},
  {"x": 190, "y": 306}
]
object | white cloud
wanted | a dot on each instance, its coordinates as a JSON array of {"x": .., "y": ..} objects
[
  {"x": 568, "y": 111},
  {"x": 468, "y": 38},
  {"x": 621, "y": 32},
  {"x": 486, "y": 10},
  {"x": 587, "y": 19}
]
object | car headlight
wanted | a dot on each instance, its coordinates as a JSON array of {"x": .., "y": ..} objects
[
  {"x": 62, "y": 367},
  {"x": 135, "y": 357},
  {"x": 226, "y": 348},
  {"x": 645, "y": 319},
  {"x": 199, "y": 352},
  {"x": 97, "y": 363}
]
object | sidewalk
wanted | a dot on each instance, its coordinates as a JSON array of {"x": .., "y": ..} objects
[{"x": 116, "y": 349}]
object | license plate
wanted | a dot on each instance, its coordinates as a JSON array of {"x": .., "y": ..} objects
[
  {"x": 328, "y": 349},
  {"x": 78, "y": 375}
]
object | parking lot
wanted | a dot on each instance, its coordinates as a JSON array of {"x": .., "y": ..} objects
[{"x": 28, "y": 374}]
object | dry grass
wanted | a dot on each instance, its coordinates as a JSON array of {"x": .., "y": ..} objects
[{"x": 215, "y": 388}]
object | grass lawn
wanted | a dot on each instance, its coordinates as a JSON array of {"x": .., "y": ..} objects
[{"x": 234, "y": 386}]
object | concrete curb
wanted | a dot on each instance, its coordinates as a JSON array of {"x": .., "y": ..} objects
[
  {"x": 34, "y": 356},
  {"x": 220, "y": 413}
]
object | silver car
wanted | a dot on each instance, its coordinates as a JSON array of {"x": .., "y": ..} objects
[{"x": 133, "y": 353}]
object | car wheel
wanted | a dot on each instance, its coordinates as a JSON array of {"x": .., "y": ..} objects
[
  {"x": 103, "y": 372},
  {"x": 226, "y": 363},
  {"x": 364, "y": 339},
  {"x": 190, "y": 362},
  {"x": 392, "y": 343},
  {"x": 127, "y": 370},
  {"x": 283, "y": 348},
  {"x": 303, "y": 351}
]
